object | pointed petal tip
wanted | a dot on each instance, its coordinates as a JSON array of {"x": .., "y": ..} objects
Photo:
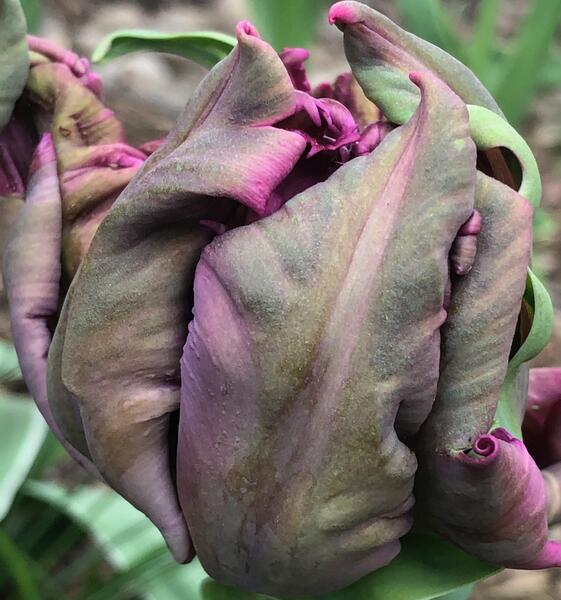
[
  {"x": 423, "y": 79},
  {"x": 245, "y": 29},
  {"x": 343, "y": 13}
]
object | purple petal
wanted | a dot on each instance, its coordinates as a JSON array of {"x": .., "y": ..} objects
[
  {"x": 79, "y": 66},
  {"x": 542, "y": 421},
  {"x": 293, "y": 59},
  {"x": 348, "y": 92},
  {"x": 325, "y": 124},
  {"x": 32, "y": 279},
  {"x": 464, "y": 249},
  {"x": 371, "y": 137},
  {"x": 312, "y": 328},
  {"x": 500, "y": 503}
]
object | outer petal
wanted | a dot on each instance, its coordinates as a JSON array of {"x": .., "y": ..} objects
[
  {"x": 32, "y": 279},
  {"x": 115, "y": 356},
  {"x": 312, "y": 329},
  {"x": 382, "y": 55},
  {"x": 494, "y": 504},
  {"x": 481, "y": 321},
  {"x": 14, "y": 62},
  {"x": 481, "y": 505}
]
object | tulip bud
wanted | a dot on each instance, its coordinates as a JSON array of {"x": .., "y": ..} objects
[{"x": 295, "y": 329}]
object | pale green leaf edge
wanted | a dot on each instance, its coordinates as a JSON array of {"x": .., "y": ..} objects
[
  {"x": 22, "y": 432},
  {"x": 204, "y": 47}
]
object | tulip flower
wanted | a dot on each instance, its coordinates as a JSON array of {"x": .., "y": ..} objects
[{"x": 299, "y": 328}]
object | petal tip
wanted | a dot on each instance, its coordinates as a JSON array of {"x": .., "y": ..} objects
[
  {"x": 343, "y": 13},
  {"x": 486, "y": 446},
  {"x": 246, "y": 29}
]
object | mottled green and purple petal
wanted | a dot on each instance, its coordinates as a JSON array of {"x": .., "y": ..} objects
[
  {"x": 382, "y": 55},
  {"x": 461, "y": 495},
  {"x": 116, "y": 352},
  {"x": 313, "y": 352},
  {"x": 31, "y": 267}
]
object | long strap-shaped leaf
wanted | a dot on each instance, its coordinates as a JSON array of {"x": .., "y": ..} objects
[
  {"x": 203, "y": 47},
  {"x": 520, "y": 72}
]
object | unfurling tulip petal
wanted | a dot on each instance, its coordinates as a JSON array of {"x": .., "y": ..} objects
[
  {"x": 143, "y": 300},
  {"x": 494, "y": 507},
  {"x": 382, "y": 55},
  {"x": 302, "y": 354},
  {"x": 494, "y": 503},
  {"x": 32, "y": 279}
]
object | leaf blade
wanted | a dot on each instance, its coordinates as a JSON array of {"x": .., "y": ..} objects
[
  {"x": 521, "y": 71},
  {"x": 22, "y": 431},
  {"x": 203, "y": 47}
]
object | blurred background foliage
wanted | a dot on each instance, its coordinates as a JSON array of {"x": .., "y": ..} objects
[{"x": 63, "y": 535}]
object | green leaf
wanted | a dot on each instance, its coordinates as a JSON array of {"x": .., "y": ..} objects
[
  {"x": 128, "y": 539},
  {"x": 464, "y": 593},
  {"x": 481, "y": 44},
  {"x": 16, "y": 563},
  {"x": 429, "y": 20},
  {"x": 33, "y": 14},
  {"x": 50, "y": 454},
  {"x": 520, "y": 71},
  {"x": 287, "y": 23},
  {"x": 9, "y": 365},
  {"x": 203, "y": 47},
  {"x": 426, "y": 568},
  {"x": 22, "y": 431},
  {"x": 513, "y": 394},
  {"x": 550, "y": 73}
]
